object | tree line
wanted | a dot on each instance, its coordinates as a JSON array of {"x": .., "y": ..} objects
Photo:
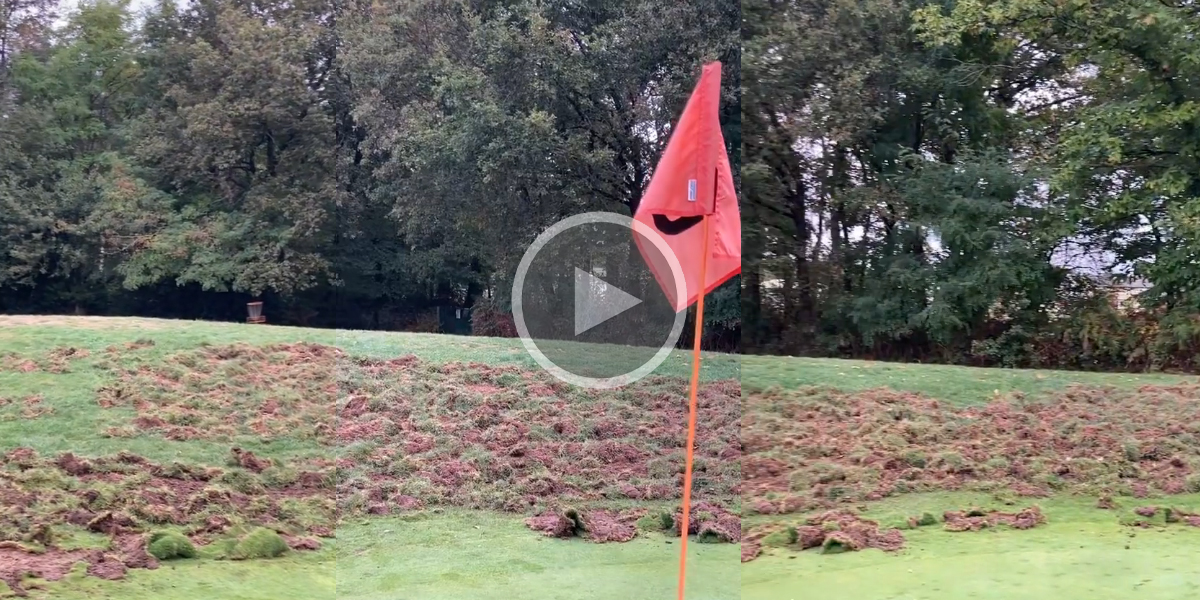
[
  {"x": 350, "y": 162},
  {"x": 955, "y": 181},
  {"x": 965, "y": 180}
]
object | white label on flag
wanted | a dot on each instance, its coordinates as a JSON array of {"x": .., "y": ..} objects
[{"x": 691, "y": 190}]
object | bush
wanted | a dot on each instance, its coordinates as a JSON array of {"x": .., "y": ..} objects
[
  {"x": 168, "y": 545},
  {"x": 489, "y": 319},
  {"x": 260, "y": 543}
]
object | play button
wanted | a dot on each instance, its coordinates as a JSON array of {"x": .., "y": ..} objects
[
  {"x": 586, "y": 306},
  {"x": 596, "y": 301}
]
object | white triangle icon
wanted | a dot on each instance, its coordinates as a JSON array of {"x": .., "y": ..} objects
[{"x": 597, "y": 301}]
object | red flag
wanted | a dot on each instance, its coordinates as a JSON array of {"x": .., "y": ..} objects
[{"x": 693, "y": 180}]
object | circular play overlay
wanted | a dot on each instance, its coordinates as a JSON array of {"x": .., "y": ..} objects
[{"x": 587, "y": 307}]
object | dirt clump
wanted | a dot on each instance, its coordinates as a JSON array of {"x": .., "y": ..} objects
[
  {"x": 710, "y": 522},
  {"x": 833, "y": 531},
  {"x": 73, "y": 465},
  {"x": 302, "y": 543},
  {"x": 1146, "y": 511},
  {"x": 247, "y": 460},
  {"x": 52, "y": 563},
  {"x": 598, "y": 525},
  {"x": 977, "y": 519},
  {"x": 603, "y": 526},
  {"x": 751, "y": 550},
  {"x": 111, "y": 523},
  {"x": 553, "y": 524}
]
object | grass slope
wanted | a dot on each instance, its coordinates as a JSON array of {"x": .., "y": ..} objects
[{"x": 954, "y": 384}]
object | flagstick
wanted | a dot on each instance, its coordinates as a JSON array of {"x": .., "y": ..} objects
[{"x": 691, "y": 437}]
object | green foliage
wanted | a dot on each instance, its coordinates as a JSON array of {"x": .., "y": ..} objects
[
  {"x": 356, "y": 163},
  {"x": 168, "y": 545},
  {"x": 259, "y": 543},
  {"x": 915, "y": 174}
]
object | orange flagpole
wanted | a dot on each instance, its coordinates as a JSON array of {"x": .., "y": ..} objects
[{"x": 691, "y": 436}]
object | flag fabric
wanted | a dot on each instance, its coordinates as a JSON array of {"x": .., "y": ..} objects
[{"x": 693, "y": 180}]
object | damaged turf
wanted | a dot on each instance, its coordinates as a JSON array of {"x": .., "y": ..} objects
[
  {"x": 975, "y": 519},
  {"x": 403, "y": 435},
  {"x": 815, "y": 449},
  {"x": 833, "y": 532},
  {"x": 707, "y": 521}
]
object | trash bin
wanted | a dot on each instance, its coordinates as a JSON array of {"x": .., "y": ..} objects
[{"x": 254, "y": 310}]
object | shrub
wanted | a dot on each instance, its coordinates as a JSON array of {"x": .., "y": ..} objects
[
  {"x": 168, "y": 545},
  {"x": 260, "y": 543},
  {"x": 489, "y": 319}
]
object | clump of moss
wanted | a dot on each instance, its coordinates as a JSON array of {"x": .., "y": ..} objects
[
  {"x": 835, "y": 545},
  {"x": 168, "y": 545},
  {"x": 260, "y": 543},
  {"x": 660, "y": 521},
  {"x": 783, "y": 537},
  {"x": 925, "y": 520}
]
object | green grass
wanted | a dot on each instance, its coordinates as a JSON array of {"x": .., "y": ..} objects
[
  {"x": 173, "y": 336},
  {"x": 481, "y": 556},
  {"x": 1080, "y": 554},
  {"x": 297, "y": 576},
  {"x": 959, "y": 385}
]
